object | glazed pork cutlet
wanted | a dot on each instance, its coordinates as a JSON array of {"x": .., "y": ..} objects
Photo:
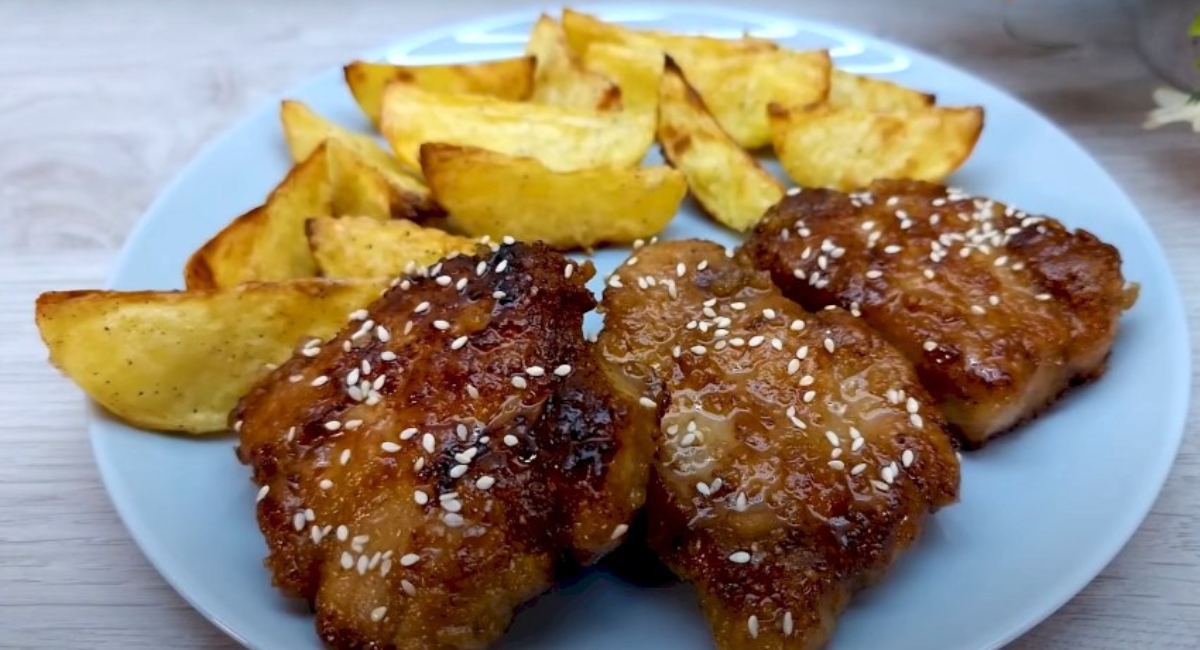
[
  {"x": 447, "y": 454},
  {"x": 796, "y": 457},
  {"x": 999, "y": 311}
]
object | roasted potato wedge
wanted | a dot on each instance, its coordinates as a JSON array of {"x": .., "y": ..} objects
[
  {"x": 560, "y": 79},
  {"x": 305, "y": 130},
  {"x": 737, "y": 88},
  {"x": 268, "y": 243},
  {"x": 847, "y": 90},
  {"x": 847, "y": 148},
  {"x": 180, "y": 361},
  {"x": 493, "y": 194},
  {"x": 583, "y": 30},
  {"x": 510, "y": 79},
  {"x": 725, "y": 180},
  {"x": 636, "y": 72},
  {"x": 564, "y": 139},
  {"x": 358, "y": 247}
]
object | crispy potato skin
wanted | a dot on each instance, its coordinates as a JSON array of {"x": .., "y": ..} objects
[
  {"x": 996, "y": 336},
  {"x": 848, "y": 90},
  {"x": 353, "y": 247},
  {"x": 759, "y": 473},
  {"x": 180, "y": 360},
  {"x": 565, "y": 456}
]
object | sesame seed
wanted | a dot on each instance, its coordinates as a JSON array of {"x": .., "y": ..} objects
[
  {"x": 836, "y": 453},
  {"x": 806, "y": 380},
  {"x": 458, "y": 342},
  {"x": 886, "y": 475},
  {"x": 832, "y": 438},
  {"x": 262, "y": 493},
  {"x": 325, "y": 484},
  {"x": 1042, "y": 296},
  {"x": 977, "y": 310},
  {"x": 872, "y": 274},
  {"x": 647, "y": 402},
  {"x": 880, "y": 485},
  {"x": 777, "y": 343},
  {"x": 378, "y": 613},
  {"x": 443, "y": 280},
  {"x": 347, "y": 560},
  {"x": 535, "y": 371},
  {"x": 916, "y": 420},
  {"x": 420, "y": 497},
  {"x": 409, "y": 559},
  {"x": 508, "y": 240},
  {"x": 387, "y": 355},
  {"x": 563, "y": 370},
  {"x": 498, "y": 295},
  {"x": 810, "y": 396},
  {"x": 298, "y": 521},
  {"x": 441, "y": 325},
  {"x": 427, "y": 442},
  {"x": 453, "y": 519},
  {"x": 802, "y": 352},
  {"x": 739, "y": 557},
  {"x": 930, "y": 346},
  {"x": 907, "y": 457},
  {"x": 408, "y": 587},
  {"x": 857, "y": 444},
  {"x": 702, "y": 488},
  {"x": 295, "y": 378},
  {"x": 698, "y": 350},
  {"x": 472, "y": 391},
  {"x": 460, "y": 430},
  {"x": 858, "y": 469},
  {"x": 687, "y": 440},
  {"x": 911, "y": 405},
  {"x": 519, "y": 381},
  {"x": 752, "y": 625},
  {"x": 755, "y": 341},
  {"x": 345, "y": 458},
  {"x": 793, "y": 366},
  {"x": 310, "y": 352},
  {"x": 502, "y": 266},
  {"x": 928, "y": 273},
  {"x": 829, "y": 345},
  {"x": 510, "y": 440},
  {"x": 837, "y": 464},
  {"x": 390, "y": 447},
  {"x": 891, "y": 249},
  {"x": 737, "y": 341},
  {"x": 421, "y": 308},
  {"x": 333, "y": 425},
  {"x": 618, "y": 531}
]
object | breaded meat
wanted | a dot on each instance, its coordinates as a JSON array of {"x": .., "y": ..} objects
[
  {"x": 999, "y": 311},
  {"x": 439, "y": 461},
  {"x": 797, "y": 455}
]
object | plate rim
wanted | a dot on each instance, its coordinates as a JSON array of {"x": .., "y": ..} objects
[{"x": 1149, "y": 494}]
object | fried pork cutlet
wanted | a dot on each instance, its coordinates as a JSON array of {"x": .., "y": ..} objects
[
  {"x": 797, "y": 456},
  {"x": 999, "y": 311},
  {"x": 440, "y": 460}
]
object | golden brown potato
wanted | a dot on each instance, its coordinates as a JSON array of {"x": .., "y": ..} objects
[
  {"x": 510, "y": 79},
  {"x": 726, "y": 181},
  {"x": 180, "y": 361},
  {"x": 737, "y": 88},
  {"x": 488, "y": 193},
  {"x": 583, "y": 30},
  {"x": 268, "y": 243},
  {"x": 305, "y": 130},
  {"x": 635, "y": 71},
  {"x": 564, "y": 139},
  {"x": 358, "y": 247},
  {"x": 560, "y": 79},
  {"x": 847, "y": 148},
  {"x": 847, "y": 90}
]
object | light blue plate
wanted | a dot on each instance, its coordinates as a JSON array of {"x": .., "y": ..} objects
[{"x": 1042, "y": 512}]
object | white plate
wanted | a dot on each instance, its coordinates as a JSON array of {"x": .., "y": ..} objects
[{"x": 1042, "y": 511}]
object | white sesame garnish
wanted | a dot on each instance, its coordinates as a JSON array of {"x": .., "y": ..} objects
[
  {"x": 703, "y": 488},
  {"x": 458, "y": 342},
  {"x": 739, "y": 557},
  {"x": 428, "y": 443},
  {"x": 510, "y": 440},
  {"x": 347, "y": 560},
  {"x": 502, "y": 266},
  {"x": 387, "y": 355},
  {"x": 535, "y": 371},
  {"x": 298, "y": 521},
  {"x": 618, "y": 531},
  {"x": 333, "y": 425},
  {"x": 829, "y": 345},
  {"x": 325, "y": 484},
  {"x": 857, "y": 444},
  {"x": 420, "y": 497},
  {"x": 752, "y": 626},
  {"x": 756, "y": 341},
  {"x": 809, "y": 396},
  {"x": 891, "y": 249},
  {"x": 916, "y": 420},
  {"x": 421, "y": 308},
  {"x": 687, "y": 440},
  {"x": 858, "y": 469},
  {"x": 1042, "y": 296},
  {"x": 907, "y": 457},
  {"x": 880, "y": 485},
  {"x": 409, "y": 559},
  {"x": 977, "y": 310},
  {"x": 390, "y": 447},
  {"x": 698, "y": 350},
  {"x": 498, "y": 295},
  {"x": 802, "y": 352},
  {"x": 806, "y": 380},
  {"x": 508, "y": 240},
  {"x": 563, "y": 370},
  {"x": 408, "y": 587},
  {"x": 345, "y": 457},
  {"x": 647, "y": 402},
  {"x": 441, "y": 325},
  {"x": 793, "y": 366},
  {"x": 310, "y": 352},
  {"x": 930, "y": 346},
  {"x": 519, "y": 382},
  {"x": 833, "y": 438},
  {"x": 911, "y": 405},
  {"x": 837, "y": 464},
  {"x": 443, "y": 280}
]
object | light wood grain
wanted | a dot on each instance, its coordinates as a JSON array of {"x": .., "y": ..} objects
[{"x": 104, "y": 102}]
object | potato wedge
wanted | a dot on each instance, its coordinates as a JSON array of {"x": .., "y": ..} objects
[
  {"x": 305, "y": 130},
  {"x": 847, "y": 148},
  {"x": 493, "y": 194},
  {"x": 180, "y": 361},
  {"x": 560, "y": 79},
  {"x": 358, "y": 247},
  {"x": 268, "y": 243},
  {"x": 510, "y": 79},
  {"x": 737, "y": 88},
  {"x": 847, "y": 90},
  {"x": 564, "y": 139},
  {"x": 725, "y": 180},
  {"x": 637, "y": 72},
  {"x": 583, "y": 30}
]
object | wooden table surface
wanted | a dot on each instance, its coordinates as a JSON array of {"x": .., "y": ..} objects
[{"x": 102, "y": 103}]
